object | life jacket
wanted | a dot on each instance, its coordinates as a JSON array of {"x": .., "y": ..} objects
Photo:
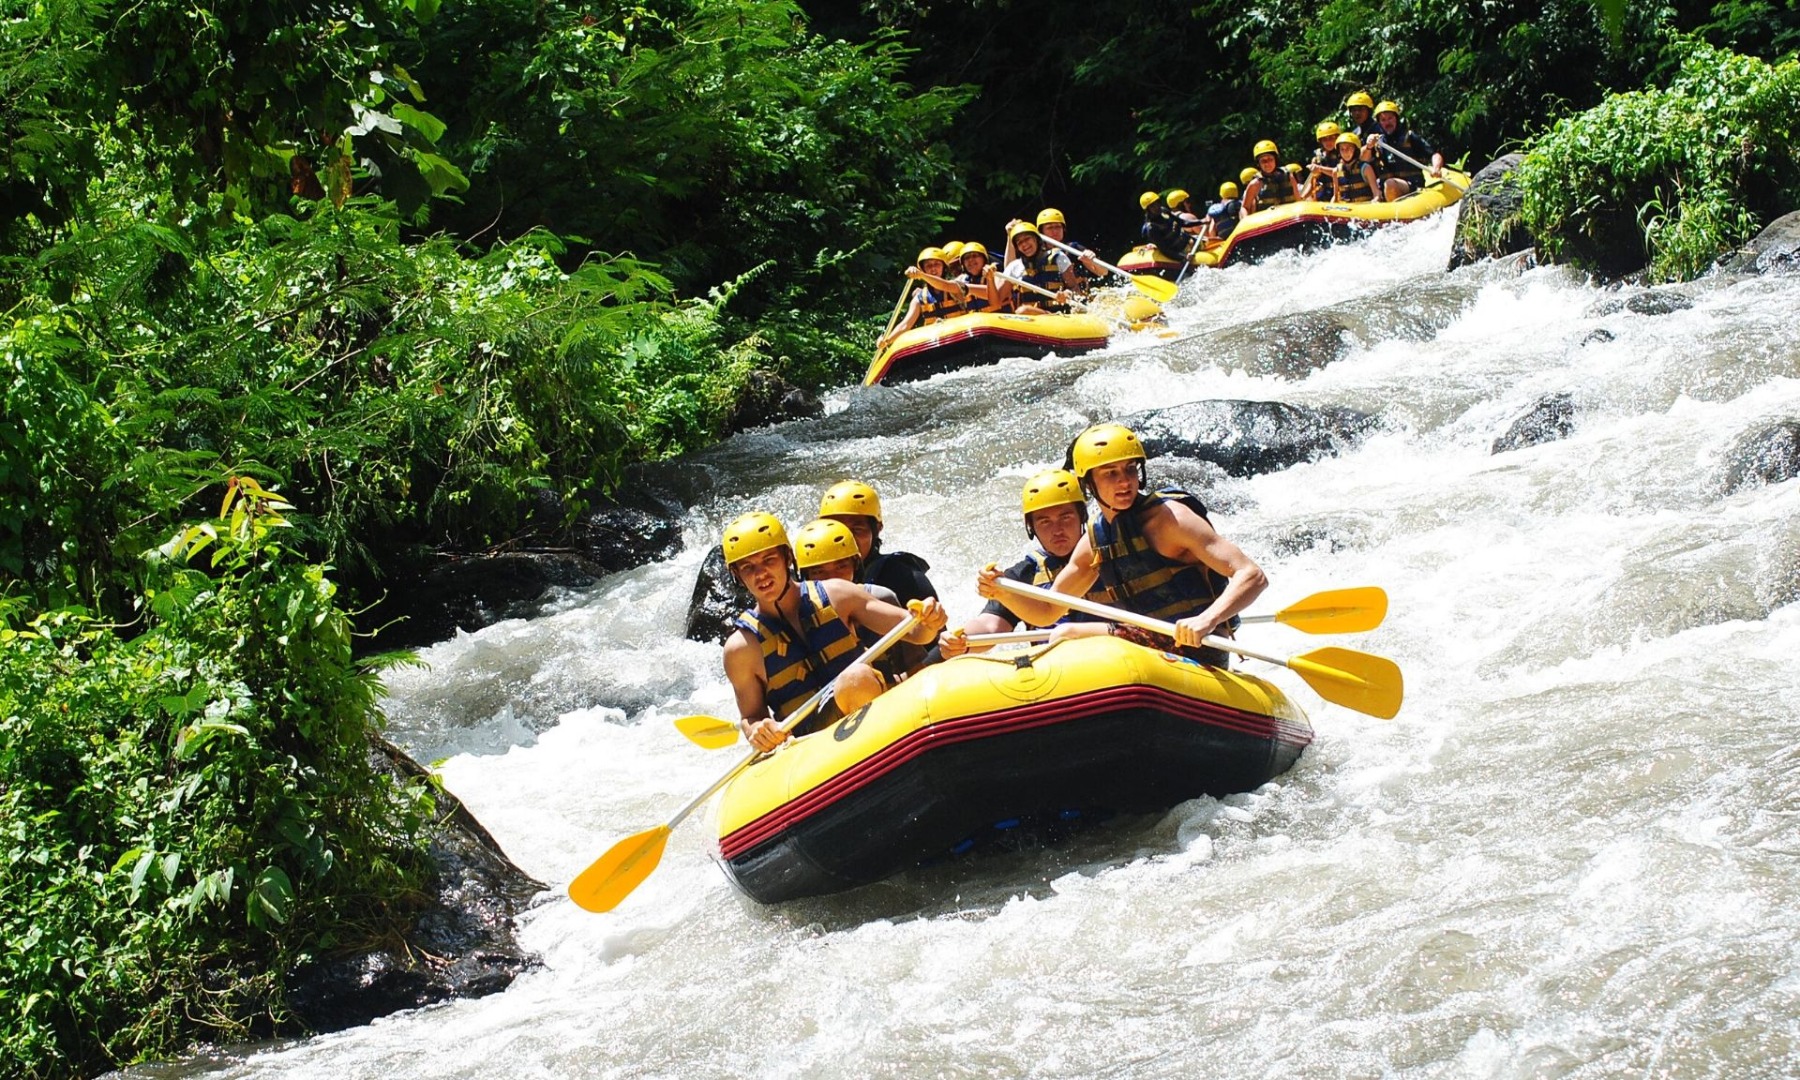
[
  {"x": 1351, "y": 187},
  {"x": 1045, "y": 567},
  {"x": 1040, "y": 270},
  {"x": 1277, "y": 188},
  {"x": 1164, "y": 230},
  {"x": 971, "y": 301},
  {"x": 798, "y": 669},
  {"x": 1140, "y": 578},
  {"x": 1388, "y": 166},
  {"x": 935, "y": 306},
  {"x": 1225, "y": 216}
]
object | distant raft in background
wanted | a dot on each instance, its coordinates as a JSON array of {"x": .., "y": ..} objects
[
  {"x": 1303, "y": 225},
  {"x": 999, "y": 741},
  {"x": 984, "y": 337}
]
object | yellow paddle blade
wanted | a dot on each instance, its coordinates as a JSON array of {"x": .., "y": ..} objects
[
  {"x": 1337, "y": 611},
  {"x": 708, "y": 731},
  {"x": 1356, "y": 680},
  {"x": 1156, "y": 288},
  {"x": 613, "y": 875}
]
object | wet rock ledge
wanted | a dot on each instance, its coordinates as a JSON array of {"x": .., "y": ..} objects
[{"x": 460, "y": 943}]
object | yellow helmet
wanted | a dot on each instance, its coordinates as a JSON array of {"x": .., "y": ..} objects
[
  {"x": 1350, "y": 138},
  {"x": 1047, "y": 489},
  {"x": 1388, "y": 106},
  {"x": 851, "y": 497},
  {"x": 752, "y": 533},
  {"x": 927, "y": 254},
  {"x": 952, "y": 251},
  {"x": 973, "y": 247},
  {"x": 1292, "y": 167},
  {"x": 1359, "y": 98},
  {"x": 1228, "y": 190},
  {"x": 1326, "y": 129},
  {"x": 1021, "y": 227},
  {"x": 1247, "y": 175},
  {"x": 1266, "y": 146},
  {"x": 1050, "y": 217},
  {"x": 1176, "y": 197},
  {"x": 1148, "y": 199},
  {"x": 1104, "y": 444},
  {"x": 823, "y": 541}
]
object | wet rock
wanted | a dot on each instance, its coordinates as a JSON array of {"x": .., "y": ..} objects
[
  {"x": 1298, "y": 345},
  {"x": 1653, "y": 302},
  {"x": 1767, "y": 455},
  {"x": 1552, "y": 418},
  {"x": 717, "y": 599},
  {"x": 1598, "y": 337},
  {"x": 1775, "y": 250},
  {"x": 1248, "y": 438},
  {"x": 767, "y": 398},
  {"x": 615, "y": 538},
  {"x": 460, "y": 943},
  {"x": 1487, "y": 217},
  {"x": 469, "y": 591}
]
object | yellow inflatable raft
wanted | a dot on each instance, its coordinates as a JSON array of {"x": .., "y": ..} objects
[
  {"x": 982, "y": 337},
  {"x": 1303, "y": 225},
  {"x": 996, "y": 740}
]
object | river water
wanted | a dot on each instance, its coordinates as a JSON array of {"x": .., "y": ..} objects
[{"x": 1573, "y": 854}]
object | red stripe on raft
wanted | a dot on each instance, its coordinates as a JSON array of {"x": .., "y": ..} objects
[
  {"x": 960, "y": 336},
  {"x": 987, "y": 725}
]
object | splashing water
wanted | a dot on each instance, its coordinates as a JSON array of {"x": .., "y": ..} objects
[{"x": 1574, "y": 852}]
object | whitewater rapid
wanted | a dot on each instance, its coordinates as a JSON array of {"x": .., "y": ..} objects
[{"x": 1572, "y": 854}]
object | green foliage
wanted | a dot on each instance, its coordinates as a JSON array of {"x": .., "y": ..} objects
[
  {"x": 405, "y": 389},
  {"x": 717, "y": 134},
  {"x": 1700, "y": 163},
  {"x": 189, "y": 813}
]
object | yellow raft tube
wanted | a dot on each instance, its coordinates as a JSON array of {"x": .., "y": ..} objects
[
  {"x": 992, "y": 741},
  {"x": 1303, "y": 225}
]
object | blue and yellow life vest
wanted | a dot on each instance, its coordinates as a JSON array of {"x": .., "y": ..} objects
[
  {"x": 971, "y": 302},
  {"x": 1040, "y": 270},
  {"x": 934, "y": 306},
  {"x": 1351, "y": 187},
  {"x": 798, "y": 669},
  {"x": 1143, "y": 580},
  {"x": 1277, "y": 188}
]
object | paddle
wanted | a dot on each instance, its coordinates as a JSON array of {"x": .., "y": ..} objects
[
  {"x": 894, "y": 316},
  {"x": 1420, "y": 165},
  {"x": 1072, "y": 301},
  {"x": 613, "y": 876},
  {"x": 1335, "y": 611},
  {"x": 1188, "y": 263},
  {"x": 1151, "y": 285},
  {"x": 1356, "y": 680}
]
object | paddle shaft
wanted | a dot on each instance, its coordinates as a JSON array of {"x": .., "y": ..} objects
[
  {"x": 874, "y": 652},
  {"x": 1008, "y": 637},
  {"x": 1098, "y": 261},
  {"x": 1028, "y": 286},
  {"x": 1091, "y": 607},
  {"x": 1416, "y": 163},
  {"x": 894, "y": 316}
]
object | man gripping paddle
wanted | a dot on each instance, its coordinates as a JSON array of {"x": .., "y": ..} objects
[
  {"x": 1155, "y": 552},
  {"x": 801, "y": 637}
]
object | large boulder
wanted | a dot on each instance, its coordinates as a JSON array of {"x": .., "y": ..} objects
[
  {"x": 1552, "y": 418},
  {"x": 767, "y": 398},
  {"x": 1247, "y": 438},
  {"x": 460, "y": 943},
  {"x": 1487, "y": 218},
  {"x": 467, "y": 591},
  {"x": 1767, "y": 455},
  {"x": 717, "y": 599},
  {"x": 1775, "y": 250}
]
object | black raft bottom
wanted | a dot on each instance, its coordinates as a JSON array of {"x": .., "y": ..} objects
[{"x": 1131, "y": 762}]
